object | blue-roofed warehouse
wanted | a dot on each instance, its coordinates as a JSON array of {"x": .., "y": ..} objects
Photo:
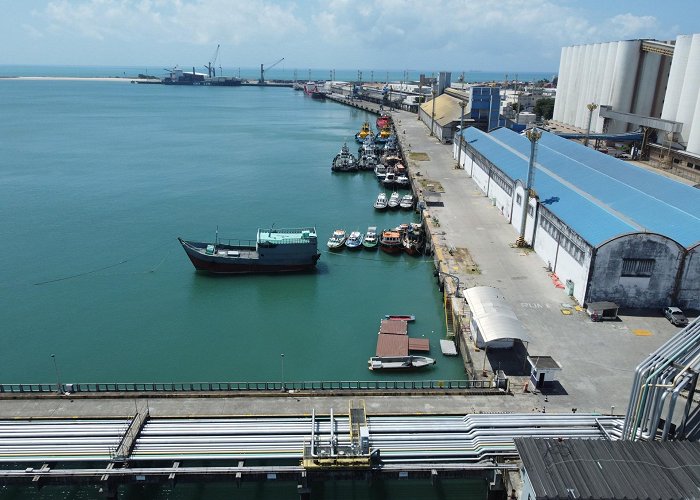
[{"x": 607, "y": 229}]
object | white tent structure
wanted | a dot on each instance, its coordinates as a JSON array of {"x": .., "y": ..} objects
[{"x": 493, "y": 322}]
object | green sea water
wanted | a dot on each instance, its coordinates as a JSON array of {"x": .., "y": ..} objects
[{"x": 98, "y": 179}]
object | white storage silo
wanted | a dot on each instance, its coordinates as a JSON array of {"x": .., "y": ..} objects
[{"x": 676, "y": 77}]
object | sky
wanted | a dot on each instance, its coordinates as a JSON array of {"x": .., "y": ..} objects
[{"x": 461, "y": 35}]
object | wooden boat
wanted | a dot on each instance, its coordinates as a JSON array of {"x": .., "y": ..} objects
[
  {"x": 371, "y": 239},
  {"x": 337, "y": 239},
  {"x": 399, "y": 362},
  {"x": 401, "y": 317},
  {"x": 354, "y": 241},
  {"x": 406, "y": 202},
  {"x": 394, "y": 200},
  {"x": 390, "y": 241},
  {"x": 381, "y": 202},
  {"x": 413, "y": 240},
  {"x": 274, "y": 250}
]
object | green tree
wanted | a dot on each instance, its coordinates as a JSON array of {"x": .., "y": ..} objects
[{"x": 544, "y": 108}]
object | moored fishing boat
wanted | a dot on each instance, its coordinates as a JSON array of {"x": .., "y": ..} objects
[
  {"x": 403, "y": 181},
  {"x": 371, "y": 239},
  {"x": 399, "y": 362},
  {"x": 413, "y": 239},
  {"x": 390, "y": 241},
  {"x": 274, "y": 250},
  {"x": 383, "y": 135},
  {"x": 354, "y": 241},
  {"x": 381, "y": 202},
  {"x": 389, "y": 179},
  {"x": 380, "y": 172},
  {"x": 337, "y": 240},
  {"x": 394, "y": 200}
]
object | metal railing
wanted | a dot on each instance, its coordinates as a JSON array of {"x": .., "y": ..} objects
[{"x": 314, "y": 386}]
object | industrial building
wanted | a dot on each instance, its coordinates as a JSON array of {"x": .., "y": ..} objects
[
  {"x": 607, "y": 230},
  {"x": 622, "y": 86}
]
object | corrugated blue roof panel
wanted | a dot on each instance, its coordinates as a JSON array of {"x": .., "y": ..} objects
[{"x": 598, "y": 196}]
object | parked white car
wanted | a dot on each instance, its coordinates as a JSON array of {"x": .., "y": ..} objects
[{"x": 675, "y": 316}]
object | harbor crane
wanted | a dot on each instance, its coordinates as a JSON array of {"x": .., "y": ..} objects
[
  {"x": 211, "y": 67},
  {"x": 263, "y": 69}
]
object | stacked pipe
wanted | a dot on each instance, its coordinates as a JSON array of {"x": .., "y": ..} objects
[{"x": 660, "y": 379}]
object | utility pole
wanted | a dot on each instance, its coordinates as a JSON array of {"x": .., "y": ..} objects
[
  {"x": 591, "y": 108},
  {"x": 533, "y": 135},
  {"x": 58, "y": 376},
  {"x": 462, "y": 105},
  {"x": 432, "y": 115}
]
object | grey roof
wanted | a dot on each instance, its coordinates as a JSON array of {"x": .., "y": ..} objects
[
  {"x": 598, "y": 196},
  {"x": 596, "y": 468}
]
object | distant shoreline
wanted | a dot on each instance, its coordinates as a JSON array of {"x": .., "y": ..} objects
[{"x": 121, "y": 79}]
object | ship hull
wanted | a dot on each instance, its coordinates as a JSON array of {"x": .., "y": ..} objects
[{"x": 248, "y": 260}]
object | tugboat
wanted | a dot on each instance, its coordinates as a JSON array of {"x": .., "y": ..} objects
[
  {"x": 383, "y": 121},
  {"x": 344, "y": 161},
  {"x": 273, "y": 251},
  {"x": 365, "y": 131},
  {"x": 383, "y": 135}
]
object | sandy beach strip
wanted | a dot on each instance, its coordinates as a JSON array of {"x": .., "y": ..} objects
[{"x": 119, "y": 79}]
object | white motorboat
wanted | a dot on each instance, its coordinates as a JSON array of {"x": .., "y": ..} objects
[
  {"x": 394, "y": 200},
  {"x": 406, "y": 202},
  {"x": 354, "y": 241},
  {"x": 381, "y": 202},
  {"x": 399, "y": 362},
  {"x": 389, "y": 179},
  {"x": 337, "y": 239},
  {"x": 402, "y": 180},
  {"x": 371, "y": 239}
]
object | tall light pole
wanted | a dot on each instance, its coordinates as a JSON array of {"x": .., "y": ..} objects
[
  {"x": 533, "y": 135},
  {"x": 462, "y": 104},
  {"x": 591, "y": 108},
  {"x": 58, "y": 376},
  {"x": 282, "y": 357},
  {"x": 432, "y": 115}
]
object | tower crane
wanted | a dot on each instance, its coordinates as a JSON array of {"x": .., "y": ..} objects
[
  {"x": 263, "y": 69},
  {"x": 211, "y": 67}
]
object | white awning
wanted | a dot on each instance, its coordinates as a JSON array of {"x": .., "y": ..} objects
[{"x": 492, "y": 314}]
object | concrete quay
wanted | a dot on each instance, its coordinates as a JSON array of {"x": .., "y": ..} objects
[{"x": 474, "y": 242}]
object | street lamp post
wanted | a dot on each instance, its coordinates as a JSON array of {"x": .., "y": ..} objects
[
  {"x": 533, "y": 135},
  {"x": 58, "y": 376},
  {"x": 462, "y": 104},
  {"x": 432, "y": 115},
  {"x": 282, "y": 357},
  {"x": 591, "y": 108}
]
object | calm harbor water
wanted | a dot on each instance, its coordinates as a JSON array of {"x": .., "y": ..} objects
[{"x": 98, "y": 180}]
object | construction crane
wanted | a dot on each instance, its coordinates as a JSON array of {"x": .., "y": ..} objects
[
  {"x": 211, "y": 67},
  {"x": 263, "y": 69}
]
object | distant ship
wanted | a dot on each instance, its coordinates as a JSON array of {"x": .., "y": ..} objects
[
  {"x": 177, "y": 76},
  {"x": 311, "y": 89},
  {"x": 274, "y": 251}
]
